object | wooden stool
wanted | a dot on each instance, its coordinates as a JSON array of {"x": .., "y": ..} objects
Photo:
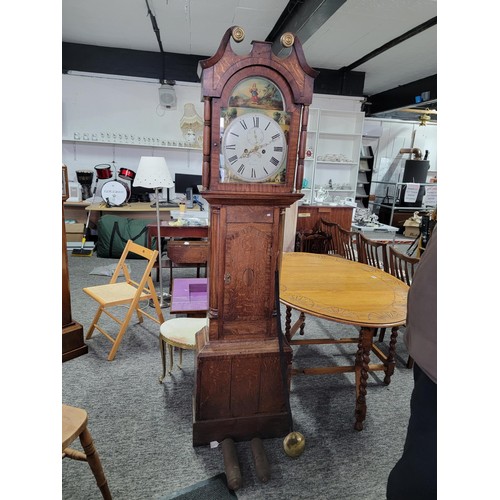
[
  {"x": 181, "y": 333},
  {"x": 74, "y": 424}
]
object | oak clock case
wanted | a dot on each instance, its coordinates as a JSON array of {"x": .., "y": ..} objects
[{"x": 256, "y": 110}]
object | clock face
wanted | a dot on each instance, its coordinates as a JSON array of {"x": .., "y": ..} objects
[{"x": 253, "y": 148}]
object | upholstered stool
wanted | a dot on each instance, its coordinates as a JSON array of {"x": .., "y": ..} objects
[
  {"x": 74, "y": 424},
  {"x": 181, "y": 333}
]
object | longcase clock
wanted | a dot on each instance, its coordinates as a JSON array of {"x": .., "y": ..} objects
[{"x": 255, "y": 127}]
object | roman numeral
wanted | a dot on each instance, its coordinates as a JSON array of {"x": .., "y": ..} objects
[
  {"x": 256, "y": 121},
  {"x": 233, "y": 146},
  {"x": 278, "y": 149},
  {"x": 267, "y": 126},
  {"x": 232, "y": 133},
  {"x": 274, "y": 161},
  {"x": 265, "y": 170},
  {"x": 241, "y": 169},
  {"x": 243, "y": 124},
  {"x": 253, "y": 175},
  {"x": 275, "y": 136},
  {"x": 233, "y": 159}
]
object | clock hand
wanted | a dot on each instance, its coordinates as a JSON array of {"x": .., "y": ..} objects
[
  {"x": 247, "y": 153},
  {"x": 256, "y": 148}
]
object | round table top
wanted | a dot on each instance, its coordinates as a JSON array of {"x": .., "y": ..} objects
[{"x": 342, "y": 290}]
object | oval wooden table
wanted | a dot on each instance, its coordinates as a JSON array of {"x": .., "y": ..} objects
[{"x": 347, "y": 292}]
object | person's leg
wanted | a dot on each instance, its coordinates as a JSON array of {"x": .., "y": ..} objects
[{"x": 414, "y": 476}]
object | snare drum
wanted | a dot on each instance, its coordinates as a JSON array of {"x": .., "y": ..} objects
[
  {"x": 126, "y": 174},
  {"x": 103, "y": 171},
  {"x": 115, "y": 193}
]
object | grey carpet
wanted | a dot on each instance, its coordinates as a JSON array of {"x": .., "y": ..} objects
[
  {"x": 215, "y": 488},
  {"x": 143, "y": 429}
]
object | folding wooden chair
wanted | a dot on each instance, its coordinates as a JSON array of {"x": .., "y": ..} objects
[{"x": 125, "y": 293}]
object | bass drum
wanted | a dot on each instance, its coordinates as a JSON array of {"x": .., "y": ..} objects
[{"x": 115, "y": 193}]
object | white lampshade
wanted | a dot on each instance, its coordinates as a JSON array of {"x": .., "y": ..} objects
[{"x": 153, "y": 172}]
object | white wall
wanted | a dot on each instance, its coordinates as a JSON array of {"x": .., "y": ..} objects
[{"x": 101, "y": 106}]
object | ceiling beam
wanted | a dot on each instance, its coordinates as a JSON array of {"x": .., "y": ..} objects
[
  {"x": 392, "y": 43},
  {"x": 402, "y": 96},
  {"x": 303, "y": 19},
  {"x": 180, "y": 67}
]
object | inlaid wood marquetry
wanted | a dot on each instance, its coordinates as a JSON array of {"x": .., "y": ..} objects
[
  {"x": 347, "y": 292},
  {"x": 342, "y": 290}
]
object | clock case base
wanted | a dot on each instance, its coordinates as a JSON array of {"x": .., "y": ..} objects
[{"x": 239, "y": 390}]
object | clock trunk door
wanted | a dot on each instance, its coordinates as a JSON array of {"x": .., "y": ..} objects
[{"x": 248, "y": 292}]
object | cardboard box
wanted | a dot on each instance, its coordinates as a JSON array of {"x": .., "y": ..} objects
[
  {"x": 412, "y": 228},
  {"x": 74, "y": 232}
]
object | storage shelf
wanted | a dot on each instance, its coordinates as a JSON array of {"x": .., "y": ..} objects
[
  {"x": 343, "y": 163},
  {"x": 331, "y": 190},
  {"x": 135, "y": 144},
  {"x": 334, "y": 134}
]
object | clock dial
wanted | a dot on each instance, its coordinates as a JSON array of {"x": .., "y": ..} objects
[{"x": 253, "y": 148}]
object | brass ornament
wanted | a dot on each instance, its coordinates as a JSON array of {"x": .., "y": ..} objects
[
  {"x": 287, "y": 39},
  {"x": 238, "y": 34},
  {"x": 294, "y": 444}
]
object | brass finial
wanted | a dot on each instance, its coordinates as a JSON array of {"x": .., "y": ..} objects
[
  {"x": 287, "y": 39},
  {"x": 238, "y": 34},
  {"x": 294, "y": 444}
]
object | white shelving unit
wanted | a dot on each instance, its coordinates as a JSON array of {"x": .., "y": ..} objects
[
  {"x": 332, "y": 155},
  {"x": 136, "y": 141}
]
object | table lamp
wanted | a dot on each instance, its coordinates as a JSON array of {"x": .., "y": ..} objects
[{"x": 153, "y": 173}]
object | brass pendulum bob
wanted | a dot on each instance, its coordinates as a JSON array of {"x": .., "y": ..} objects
[{"x": 294, "y": 444}]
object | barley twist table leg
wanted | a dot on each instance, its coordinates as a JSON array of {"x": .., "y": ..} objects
[
  {"x": 390, "y": 364},
  {"x": 303, "y": 319},
  {"x": 361, "y": 371},
  {"x": 288, "y": 322}
]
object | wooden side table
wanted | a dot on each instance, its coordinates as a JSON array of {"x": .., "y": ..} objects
[{"x": 177, "y": 232}]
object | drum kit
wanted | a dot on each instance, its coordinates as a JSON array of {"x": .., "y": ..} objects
[{"x": 114, "y": 192}]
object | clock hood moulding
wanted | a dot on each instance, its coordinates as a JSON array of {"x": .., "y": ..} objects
[{"x": 261, "y": 55}]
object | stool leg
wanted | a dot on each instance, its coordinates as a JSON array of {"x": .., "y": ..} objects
[
  {"x": 163, "y": 362},
  {"x": 95, "y": 463},
  {"x": 180, "y": 357},
  {"x": 171, "y": 354}
]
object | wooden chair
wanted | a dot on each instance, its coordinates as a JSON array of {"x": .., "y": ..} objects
[
  {"x": 403, "y": 267},
  {"x": 187, "y": 253},
  {"x": 330, "y": 228},
  {"x": 347, "y": 245},
  {"x": 127, "y": 293},
  {"x": 372, "y": 252},
  {"x": 74, "y": 425},
  {"x": 315, "y": 242}
]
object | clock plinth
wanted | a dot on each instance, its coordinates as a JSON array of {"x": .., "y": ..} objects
[
  {"x": 255, "y": 129},
  {"x": 240, "y": 391}
]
